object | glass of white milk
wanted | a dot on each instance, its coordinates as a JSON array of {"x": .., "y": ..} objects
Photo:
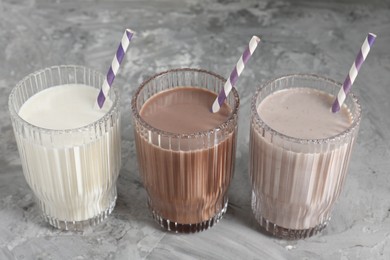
[{"x": 70, "y": 150}]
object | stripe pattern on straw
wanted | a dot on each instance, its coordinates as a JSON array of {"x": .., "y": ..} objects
[
  {"x": 360, "y": 58},
  {"x": 113, "y": 70},
  {"x": 232, "y": 80}
]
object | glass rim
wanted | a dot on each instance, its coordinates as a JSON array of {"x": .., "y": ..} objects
[
  {"x": 105, "y": 117},
  {"x": 341, "y": 135},
  {"x": 218, "y": 128}
]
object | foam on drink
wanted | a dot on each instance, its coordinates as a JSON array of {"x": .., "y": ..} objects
[
  {"x": 183, "y": 111},
  {"x": 303, "y": 113},
  {"x": 63, "y": 107}
]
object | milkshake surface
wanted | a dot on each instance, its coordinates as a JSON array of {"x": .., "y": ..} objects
[
  {"x": 183, "y": 110},
  {"x": 303, "y": 113},
  {"x": 63, "y": 107}
]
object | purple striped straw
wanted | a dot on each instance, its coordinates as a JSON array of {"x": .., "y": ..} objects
[
  {"x": 361, "y": 57},
  {"x": 232, "y": 80},
  {"x": 113, "y": 70}
]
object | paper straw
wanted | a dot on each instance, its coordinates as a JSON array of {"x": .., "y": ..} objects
[
  {"x": 113, "y": 70},
  {"x": 232, "y": 80},
  {"x": 346, "y": 88}
]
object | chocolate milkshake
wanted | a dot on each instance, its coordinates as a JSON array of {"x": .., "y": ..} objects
[
  {"x": 299, "y": 153},
  {"x": 185, "y": 153}
]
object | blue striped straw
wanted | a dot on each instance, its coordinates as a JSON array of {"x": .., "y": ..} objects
[
  {"x": 113, "y": 70},
  {"x": 360, "y": 58}
]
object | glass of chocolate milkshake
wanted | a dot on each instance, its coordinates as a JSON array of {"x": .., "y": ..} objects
[
  {"x": 299, "y": 153},
  {"x": 185, "y": 152}
]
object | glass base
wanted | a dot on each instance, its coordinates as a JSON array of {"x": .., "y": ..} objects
[
  {"x": 80, "y": 225},
  {"x": 189, "y": 228},
  {"x": 290, "y": 234},
  {"x": 282, "y": 232}
]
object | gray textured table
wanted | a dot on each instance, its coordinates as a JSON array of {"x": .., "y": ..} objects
[{"x": 298, "y": 36}]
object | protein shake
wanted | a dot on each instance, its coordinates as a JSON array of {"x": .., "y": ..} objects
[
  {"x": 299, "y": 153},
  {"x": 70, "y": 151},
  {"x": 186, "y": 153}
]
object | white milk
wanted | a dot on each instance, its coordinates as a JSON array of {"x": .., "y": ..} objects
[
  {"x": 63, "y": 107},
  {"x": 73, "y": 173}
]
